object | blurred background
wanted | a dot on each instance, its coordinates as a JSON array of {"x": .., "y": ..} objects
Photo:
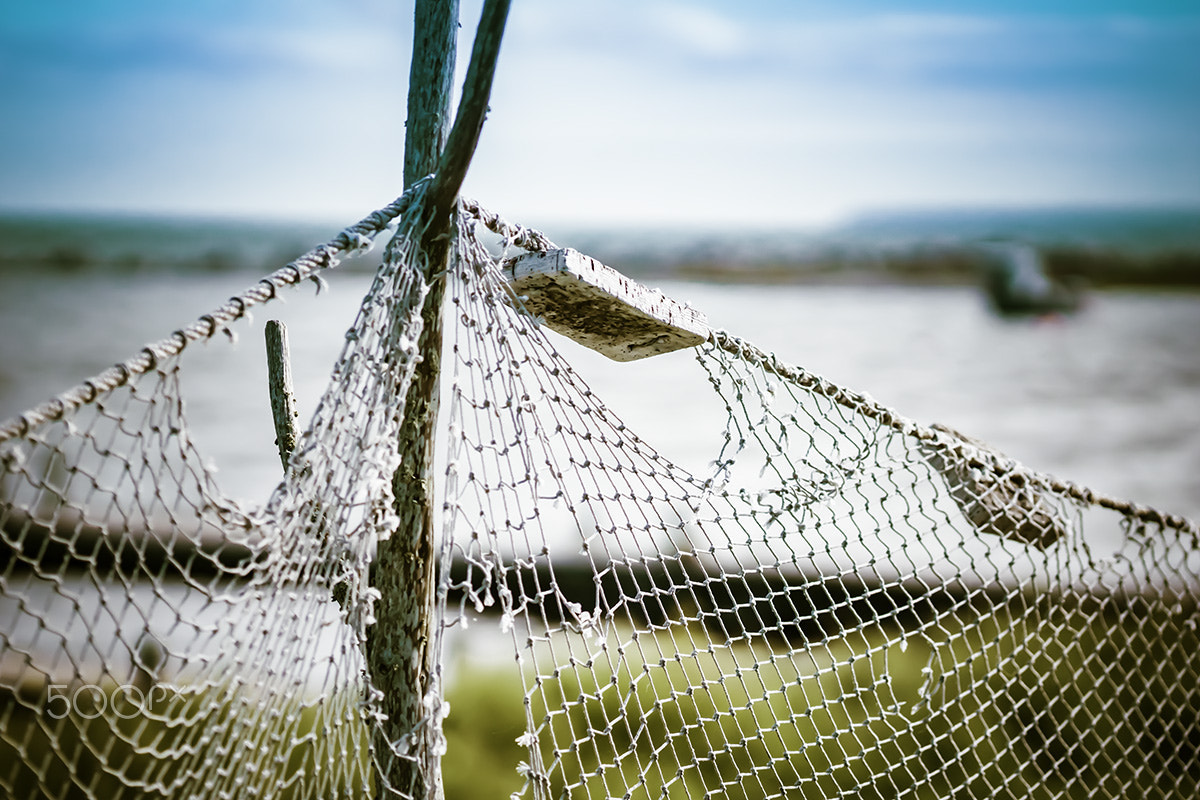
[
  {"x": 981, "y": 213},
  {"x": 985, "y": 214}
]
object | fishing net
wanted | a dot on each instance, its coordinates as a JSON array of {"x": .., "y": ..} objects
[{"x": 843, "y": 603}]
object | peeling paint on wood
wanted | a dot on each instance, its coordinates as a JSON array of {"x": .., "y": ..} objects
[{"x": 600, "y": 308}]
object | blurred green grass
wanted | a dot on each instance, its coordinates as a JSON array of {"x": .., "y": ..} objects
[
  {"x": 1095, "y": 698},
  {"x": 149, "y": 750},
  {"x": 1098, "y": 698}
]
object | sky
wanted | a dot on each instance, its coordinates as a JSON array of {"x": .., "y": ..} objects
[{"x": 610, "y": 112}]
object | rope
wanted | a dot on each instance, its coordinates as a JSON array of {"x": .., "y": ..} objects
[
  {"x": 525, "y": 238},
  {"x": 974, "y": 456},
  {"x": 354, "y": 240},
  {"x": 361, "y": 236}
]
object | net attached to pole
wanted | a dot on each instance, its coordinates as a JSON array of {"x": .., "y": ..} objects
[
  {"x": 845, "y": 604},
  {"x": 160, "y": 640}
]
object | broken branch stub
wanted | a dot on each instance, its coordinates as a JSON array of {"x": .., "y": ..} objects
[
  {"x": 600, "y": 308},
  {"x": 282, "y": 394}
]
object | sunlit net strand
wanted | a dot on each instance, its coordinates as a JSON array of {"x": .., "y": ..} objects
[
  {"x": 251, "y": 697},
  {"x": 693, "y": 647},
  {"x": 511, "y": 234},
  {"x": 603, "y": 500}
]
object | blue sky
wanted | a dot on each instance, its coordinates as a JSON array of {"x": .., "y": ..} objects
[{"x": 647, "y": 112}]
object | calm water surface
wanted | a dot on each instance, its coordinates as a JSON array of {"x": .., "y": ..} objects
[{"x": 1109, "y": 398}]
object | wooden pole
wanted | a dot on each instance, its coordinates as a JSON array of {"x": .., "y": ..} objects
[
  {"x": 401, "y": 660},
  {"x": 401, "y": 648},
  {"x": 472, "y": 109},
  {"x": 279, "y": 384},
  {"x": 430, "y": 82}
]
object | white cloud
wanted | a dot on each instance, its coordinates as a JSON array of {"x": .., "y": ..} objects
[
  {"x": 329, "y": 49},
  {"x": 702, "y": 31},
  {"x": 642, "y": 110},
  {"x": 814, "y": 120}
]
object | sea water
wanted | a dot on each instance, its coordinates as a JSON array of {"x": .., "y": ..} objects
[{"x": 1108, "y": 397}]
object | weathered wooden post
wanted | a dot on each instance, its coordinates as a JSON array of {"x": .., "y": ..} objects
[
  {"x": 279, "y": 384},
  {"x": 401, "y": 662},
  {"x": 400, "y": 651}
]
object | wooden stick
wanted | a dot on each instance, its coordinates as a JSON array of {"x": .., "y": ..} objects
[
  {"x": 402, "y": 645},
  {"x": 472, "y": 109},
  {"x": 430, "y": 82},
  {"x": 401, "y": 657},
  {"x": 279, "y": 383}
]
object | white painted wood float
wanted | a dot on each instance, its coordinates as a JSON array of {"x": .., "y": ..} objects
[
  {"x": 997, "y": 499},
  {"x": 598, "y": 307}
]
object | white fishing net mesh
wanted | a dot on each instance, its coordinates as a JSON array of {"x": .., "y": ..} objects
[{"x": 845, "y": 604}]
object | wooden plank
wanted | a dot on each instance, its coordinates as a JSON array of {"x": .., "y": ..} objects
[{"x": 600, "y": 308}]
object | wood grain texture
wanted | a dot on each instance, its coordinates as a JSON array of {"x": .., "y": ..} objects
[
  {"x": 279, "y": 384},
  {"x": 584, "y": 300},
  {"x": 472, "y": 111},
  {"x": 401, "y": 649},
  {"x": 430, "y": 83},
  {"x": 400, "y": 658}
]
